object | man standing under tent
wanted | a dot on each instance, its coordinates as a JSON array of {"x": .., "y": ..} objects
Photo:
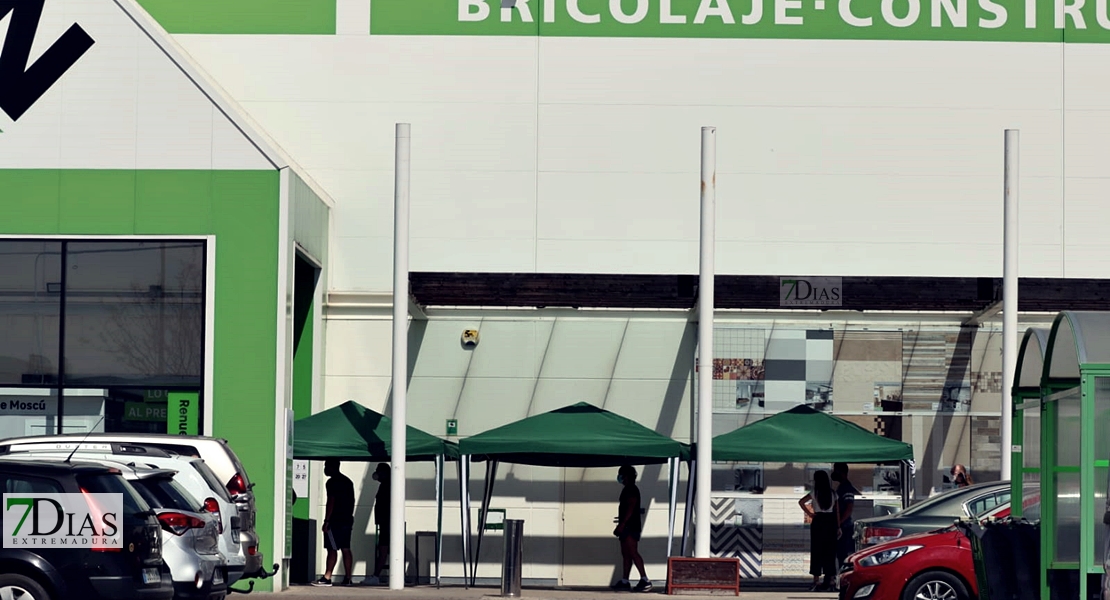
[
  {"x": 845, "y": 499},
  {"x": 339, "y": 519},
  {"x": 381, "y": 518}
]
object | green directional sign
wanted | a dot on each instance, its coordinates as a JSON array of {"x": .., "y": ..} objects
[{"x": 182, "y": 413}]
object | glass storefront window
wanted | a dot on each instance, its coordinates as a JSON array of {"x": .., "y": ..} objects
[
  {"x": 30, "y": 305},
  {"x": 95, "y": 333},
  {"x": 134, "y": 313}
]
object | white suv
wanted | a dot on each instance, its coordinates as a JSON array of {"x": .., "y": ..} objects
[{"x": 192, "y": 473}]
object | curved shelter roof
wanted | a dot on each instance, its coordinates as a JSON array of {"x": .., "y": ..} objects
[
  {"x": 1030, "y": 360},
  {"x": 803, "y": 434},
  {"x": 1076, "y": 338},
  {"x": 579, "y": 435}
]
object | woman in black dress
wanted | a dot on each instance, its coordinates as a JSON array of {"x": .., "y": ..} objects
[
  {"x": 820, "y": 505},
  {"x": 629, "y": 527}
]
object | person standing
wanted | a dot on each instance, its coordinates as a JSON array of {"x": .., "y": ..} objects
[
  {"x": 339, "y": 518},
  {"x": 628, "y": 530},
  {"x": 845, "y": 499},
  {"x": 822, "y": 508},
  {"x": 381, "y": 518}
]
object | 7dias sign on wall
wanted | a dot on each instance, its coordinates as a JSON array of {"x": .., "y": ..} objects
[
  {"x": 22, "y": 83},
  {"x": 955, "y": 20},
  {"x": 36, "y": 520}
]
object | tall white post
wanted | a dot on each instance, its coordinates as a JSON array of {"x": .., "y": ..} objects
[
  {"x": 704, "y": 438},
  {"x": 400, "y": 358},
  {"x": 1009, "y": 295}
]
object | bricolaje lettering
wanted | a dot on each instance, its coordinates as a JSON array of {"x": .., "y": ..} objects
[
  {"x": 21, "y": 85},
  {"x": 1085, "y": 21}
]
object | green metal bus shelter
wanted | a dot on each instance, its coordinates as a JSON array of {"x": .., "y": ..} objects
[
  {"x": 1026, "y": 419},
  {"x": 1074, "y": 423}
]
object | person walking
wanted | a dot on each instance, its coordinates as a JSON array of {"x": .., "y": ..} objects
[
  {"x": 821, "y": 507},
  {"x": 381, "y": 518},
  {"x": 845, "y": 499},
  {"x": 628, "y": 530},
  {"x": 339, "y": 518}
]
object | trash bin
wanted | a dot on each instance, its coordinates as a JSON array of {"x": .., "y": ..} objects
[
  {"x": 511, "y": 569},
  {"x": 1006, "y": 554}
]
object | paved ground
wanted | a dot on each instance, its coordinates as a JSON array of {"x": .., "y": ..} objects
[{"x": 425, "y": 592}]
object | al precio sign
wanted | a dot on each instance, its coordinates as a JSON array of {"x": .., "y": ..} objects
[{"x": 1084, "y": 21}]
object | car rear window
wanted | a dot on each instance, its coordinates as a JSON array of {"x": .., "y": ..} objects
[
  {"x": 211, "y": 479},
  {"x": 112, "y": 483},
  {"x": 163, "y": 492},
  {"x": 948, "y": 504}
]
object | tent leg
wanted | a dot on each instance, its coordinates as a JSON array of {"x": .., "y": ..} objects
[
  {"x": 491, "y": 475},
  {"x": 439, "y": 520},
  {"x": 691, "y": 488},
  {"x": 464, "y": 515},
  {"x": 905, "y": 484},
  {"x": 673, "y": 488}
]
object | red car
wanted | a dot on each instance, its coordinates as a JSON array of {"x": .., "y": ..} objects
[{"x": 927, "y": 566}]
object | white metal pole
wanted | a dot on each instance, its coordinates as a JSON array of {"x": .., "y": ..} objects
[
  {"x": 400, "y": 357},
  {"x": 1009, "y": 295},
  {"x": 705, "y": 342}
]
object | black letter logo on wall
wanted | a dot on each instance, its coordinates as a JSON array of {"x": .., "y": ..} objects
[{"x": 22, "y": 85}]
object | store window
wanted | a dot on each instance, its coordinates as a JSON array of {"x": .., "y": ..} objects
[
  {"x": 30, "y": 306},
  {"x": 101, "y": 335}
]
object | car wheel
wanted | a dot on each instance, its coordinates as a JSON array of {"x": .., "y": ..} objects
[
  {"x": 935, "y": 585},
  {"x": 19, "y": 587}
]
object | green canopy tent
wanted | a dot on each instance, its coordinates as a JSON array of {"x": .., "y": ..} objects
[
  {"x": 580, "y": 435},
  {"x": 803, "y": 434},
  {"x": 806, "y": 435},
  {"x": 352, "y": 432}
]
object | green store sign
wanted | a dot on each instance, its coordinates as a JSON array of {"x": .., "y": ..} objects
[{"x": 1081, "y": 21}]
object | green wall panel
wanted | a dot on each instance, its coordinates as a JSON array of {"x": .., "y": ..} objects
[
  {"x": 97, "y": 202},
  {"x": 240, "y": 208},
  {"x": 244, "y": 16},
  {"x": 170, "y": 201},
  {"x": 30, "y": 202}
]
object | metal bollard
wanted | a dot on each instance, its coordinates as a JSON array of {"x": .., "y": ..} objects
[{"x": 511, "y": 569}]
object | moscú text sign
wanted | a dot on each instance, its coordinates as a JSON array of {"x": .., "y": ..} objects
[
  {"x": 810, "y": 291},
  {"x": 1086, "y": 21}
]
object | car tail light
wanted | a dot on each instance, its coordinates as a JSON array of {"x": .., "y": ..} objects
[
  {"x": 878, "y": 535},
  {"x": 252, "y": 550},
  {"x": 97, "y": 515},
  {"x": 237, "y": 485},
  {"x": 178, "y": 524},
  {"x": 213, "y": 507}
]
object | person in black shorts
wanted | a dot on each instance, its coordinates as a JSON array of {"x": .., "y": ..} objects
[
  {"x": 845, "y": 500},
  {"x": 339, "y": 518},
  {"x": 381, "y": 518},
  {"x": 628, "y": 530}
]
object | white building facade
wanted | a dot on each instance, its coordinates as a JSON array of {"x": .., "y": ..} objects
[{"x": 857, "y": 139}]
